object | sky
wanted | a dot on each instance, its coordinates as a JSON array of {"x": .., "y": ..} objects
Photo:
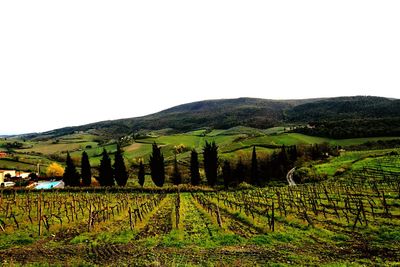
[{"x": 66, "y": 63}]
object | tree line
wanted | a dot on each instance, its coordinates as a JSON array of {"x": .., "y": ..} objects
[
  {"x": 257, "y": 171},
  {"x": 108, "y": 174}
]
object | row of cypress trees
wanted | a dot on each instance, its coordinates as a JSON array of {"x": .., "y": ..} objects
[
  {"x": 274, "y": 167},
  {"x": 71, "y": 177},
  {"x": 232, "y": 176},
  {"x": 108, "y": 174},
  {"x": 210, "y": 154},
  {"x": 211, "y": 160}
]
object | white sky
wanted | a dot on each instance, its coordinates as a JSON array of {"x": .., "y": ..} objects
[{"x": 65, "y": 63}]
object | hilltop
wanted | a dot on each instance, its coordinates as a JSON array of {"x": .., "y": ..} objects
[{"x": 364, "y": 111}]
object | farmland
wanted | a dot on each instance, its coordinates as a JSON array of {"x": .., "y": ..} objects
[
  {"x": 348, "y": 223},
  {"x": 233, "y": 143},
  {"x": 351, "y": 217}
]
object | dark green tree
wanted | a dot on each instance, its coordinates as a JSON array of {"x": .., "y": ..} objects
[
  {"x": 106, "y": 177},
  {"x": 141, "y": 173},
  {"x": 293, "y": 154},
  {"x": 120, "y": 173},
  {"x": 176, "y": 175},
  {"x": 210, "y": 154},
  {"x": 227, "y": 173},
  {"x": 86, "y": 172},
  {"x": 157, "y": 166},
  {"x": 283, "y": 162},
  {"x": 194, "y": 168},
  {"x": 240, "y": 172},
  {"x": 71, "y": 176},
  {"x": 254, "y": 176}
]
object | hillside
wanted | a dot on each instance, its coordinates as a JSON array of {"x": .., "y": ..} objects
[
  {"x": 349, "y": 117},
  {"x": 250, "y": 112},
  {"x": 357, "y": 107}
]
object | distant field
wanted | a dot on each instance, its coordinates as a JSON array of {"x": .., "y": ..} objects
[
  {"x": 357, "y": 160},
  {"x": 13, "y": 165},
  {"x": 233, "y": 143}
]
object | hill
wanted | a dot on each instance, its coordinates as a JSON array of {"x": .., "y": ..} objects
[
  {"x": 357, "y": 107},
  {"x": 256, "y": 113},
  {"x": 349, "y": 117}
]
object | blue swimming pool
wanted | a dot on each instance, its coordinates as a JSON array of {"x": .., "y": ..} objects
[{"x": 50, "y": 185}]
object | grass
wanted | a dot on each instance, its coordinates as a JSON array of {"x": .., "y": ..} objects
[
  {"x": 16, "y": 165},
  {"x": 233, "y": 144},
  {"x": 21, "y": 238},
  {"x": 357, "y": 160}
]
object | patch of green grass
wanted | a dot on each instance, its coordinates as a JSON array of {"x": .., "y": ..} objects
[
  {"x": 275, "y": 130},
  {"x": 151, "y": 242},
  {"x": 82, "y": 238},
  {"x": 341, "y": 264},
  {"x": 228, "y": 240},
  {"x": 173, "y": 239},
  {"x": 340, "y": 237},
  {"x": 356, "y": 160},
  {"x": 16, "y": 239},
  {"x": 283, "y": 237},
  {"x": 386, "y": 233},
  {"x": 261, "y": 240},
  {"x": 15, "y": 165},
  {"x": 121, "y": 237}
]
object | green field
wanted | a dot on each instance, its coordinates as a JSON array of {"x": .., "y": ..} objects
[
  {"x": 350, "y": 161},
  {"x": 233, "y": 143},
  {"x": 349, "y": 219}
]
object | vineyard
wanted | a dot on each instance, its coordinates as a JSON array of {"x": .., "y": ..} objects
[{"x": 357, "y": 222}]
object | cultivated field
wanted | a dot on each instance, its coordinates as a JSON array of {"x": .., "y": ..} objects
[
  {"x": 353, "y": 223},
  {"x": 233, "y": 143}
]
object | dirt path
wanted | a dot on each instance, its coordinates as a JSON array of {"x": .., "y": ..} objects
[{"x": 289, "y": 177}]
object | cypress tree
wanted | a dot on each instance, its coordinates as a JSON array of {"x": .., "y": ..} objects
[
  {"x": 283, "y": 162},
  {"x": 210, "y": 154},
  {"x": 194, "y": 168},
  {"x": 176, "y": 175},
  {"x": 106, "y": 177},
  {"x": 254, "y": 180},
  {"x": 157, "y": 166},
  {"x": 86, "y": 172},
  {"x": 227, "y": 173},
  {"x": 71, "y": 176},
  {"x": 120, "y": 173},
  {"x": 292, "y": 154},
  {"x": 141, "y": 173},
  {"x": 240, "y": 172}
]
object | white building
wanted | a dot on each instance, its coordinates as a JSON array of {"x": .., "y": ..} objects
[{"x": 3, "y": 174}]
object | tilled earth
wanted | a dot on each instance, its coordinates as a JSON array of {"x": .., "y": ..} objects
[
  {"x": 159, "y": 224},
  {"x": 136, "y": 253}
]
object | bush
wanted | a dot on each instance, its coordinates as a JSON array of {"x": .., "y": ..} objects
[{"x": 306, "y": 175}]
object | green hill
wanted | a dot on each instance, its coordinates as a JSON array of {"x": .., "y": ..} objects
[
  {"x": 364, "y": 112},
  {"x": 349, "y": 117}
]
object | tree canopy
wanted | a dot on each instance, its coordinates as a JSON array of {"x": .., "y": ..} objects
[
  {"x": 157, "y": 166},
  {"x": 106, "y": 175},
  {"x": 210, "y": 154},
  {"x": 120, "y": 173}
]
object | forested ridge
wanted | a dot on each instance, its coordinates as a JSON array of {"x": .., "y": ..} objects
[{"x": 340, "y": 117}]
